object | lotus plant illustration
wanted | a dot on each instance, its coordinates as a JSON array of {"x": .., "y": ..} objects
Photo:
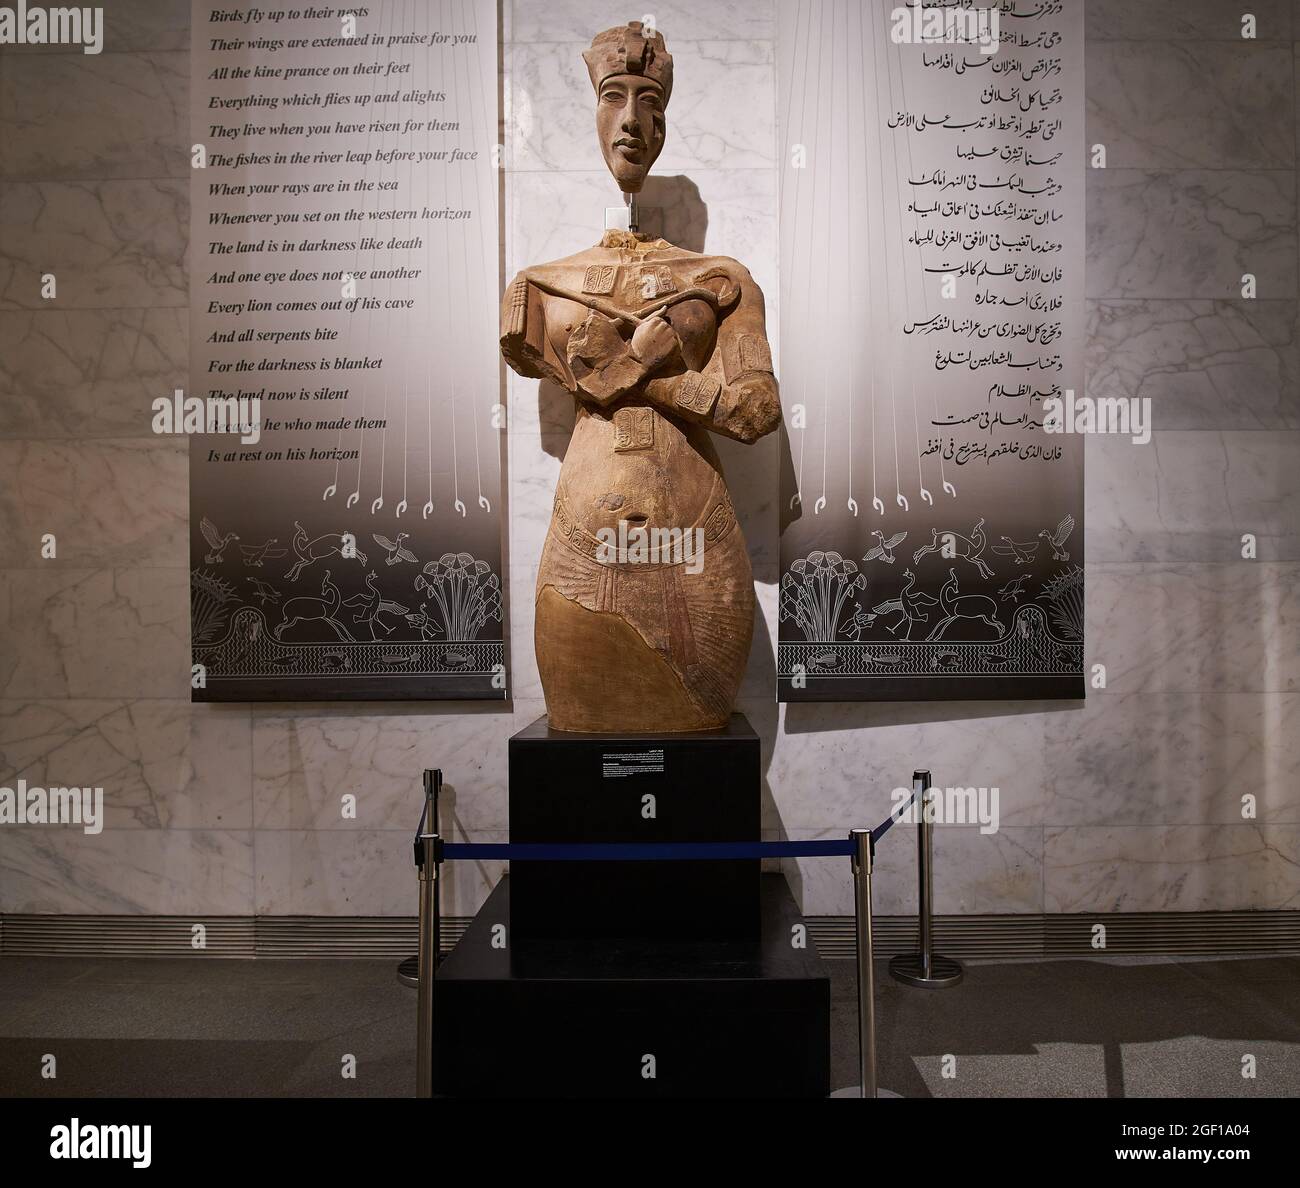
[
  {"x": 466, "y": 592},
  {"x": 814, "y": 592}
]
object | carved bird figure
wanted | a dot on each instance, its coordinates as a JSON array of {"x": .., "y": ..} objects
[
  {"x": 884, "y": 550},
  {"x": 1021, "y": 552},
  {"x": 397, "y": 552},
  {"x": 254, "y": 555},
  {"x": 262, "y": 592},
  {"x": 1014, "y": 589},
  {"x": 1058, "y": 538},
  {"x": 218, "y": 543}
]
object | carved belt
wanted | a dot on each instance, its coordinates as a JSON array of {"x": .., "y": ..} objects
[{"x": 718, "y": 521}]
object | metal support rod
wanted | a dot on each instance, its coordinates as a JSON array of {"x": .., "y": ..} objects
[
  {"x": 925, "y": 871},
  {"x": 428, "y": 962},
  {"x": 408, "y": 970},
  {"x": 925, "y": 967},
  {"x": 432, "y": 790},
  {"x": 428, "y": 856},
  {"x": 866, "y": 961},
  {"x": 633, "y": 212}
]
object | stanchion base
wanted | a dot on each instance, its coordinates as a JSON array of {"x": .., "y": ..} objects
[
  {"x": 907, "y": 968},
  {"x": 856, "y": 1091},
  {"x": 408, "y": 971}
]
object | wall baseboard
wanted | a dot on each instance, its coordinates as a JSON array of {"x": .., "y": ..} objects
[
  {"x": 1187, "y": 934},
  {"x": 393, "y": 938}
]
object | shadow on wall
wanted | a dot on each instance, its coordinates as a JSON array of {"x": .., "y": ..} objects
[
  {"x": 675, "y": 211},
  {"x": 830, "y": 717}
]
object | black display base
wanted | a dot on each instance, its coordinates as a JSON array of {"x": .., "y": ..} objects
[
  {"x": 570, "y": 1019},
  {"x": 569, "y": 787}
]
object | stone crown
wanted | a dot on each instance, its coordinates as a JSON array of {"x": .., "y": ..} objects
[{"x": 630, "y": 49}]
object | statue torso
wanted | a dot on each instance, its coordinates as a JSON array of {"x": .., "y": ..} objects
[{"x": 630, "y": 461}]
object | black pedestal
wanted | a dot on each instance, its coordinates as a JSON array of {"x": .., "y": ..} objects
[
  {"x": 580, "y": 979},
  {"x": 576, "y": 1018},
  {"x": 567, "y": 787}
]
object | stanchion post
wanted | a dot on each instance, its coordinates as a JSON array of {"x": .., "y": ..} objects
[
  {"x": 432, "y": 789},
  {"x": 925, "y": 968},
  {"x": 408, "y": 970},
  {"x": 925, "y": 873},
  {"x": 862, "y": 855},
  {"x": 428, "y": 961},
  {"x": 430, "y": 858}
]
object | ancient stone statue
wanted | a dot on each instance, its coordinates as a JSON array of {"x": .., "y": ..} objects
[{"x": 645, "y": 598}]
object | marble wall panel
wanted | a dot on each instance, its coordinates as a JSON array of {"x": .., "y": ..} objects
[
  {"x": 1191, "y": 233},
  {"x": 1174, "y": 868},
  {"x": 1128, "y": 802},
  {"x": 169, "y": 872},
  {"x": 112, "y": 502},
  {"x": 161, "y": 764},
  {"x": 118, "y": 116},
  {"x": 1192, "y": 496},
  {"x": 88, "y": 373},
  {"x": 1202, "y": 364}
]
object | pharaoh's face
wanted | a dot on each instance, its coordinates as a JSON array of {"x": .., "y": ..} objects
[{"x": 631, "y": 124}]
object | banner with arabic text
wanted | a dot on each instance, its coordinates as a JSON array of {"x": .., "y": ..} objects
[{"x": 932, "y": 234}]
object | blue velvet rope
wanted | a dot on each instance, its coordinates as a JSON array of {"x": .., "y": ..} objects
[
  {"x": 662, "y": 851},
  {"x": 645, "y": 851}
]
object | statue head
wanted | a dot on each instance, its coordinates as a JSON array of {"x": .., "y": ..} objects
[{"x": 632, "y": 72}]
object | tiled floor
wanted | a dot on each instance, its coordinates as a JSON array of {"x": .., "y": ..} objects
[{"x": 1135, "y": 1027}]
